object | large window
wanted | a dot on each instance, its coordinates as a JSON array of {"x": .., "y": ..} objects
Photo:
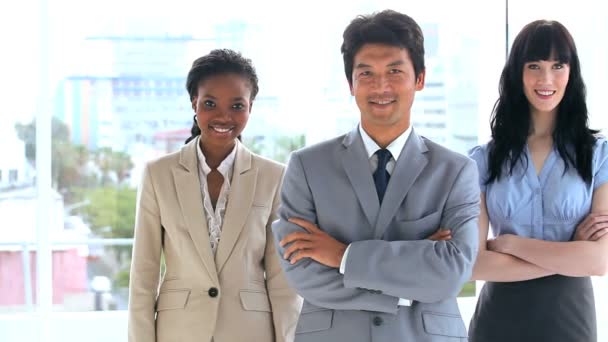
[{"x": 92, "y": 90}]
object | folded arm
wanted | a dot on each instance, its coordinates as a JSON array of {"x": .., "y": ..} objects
[
  {"x": 423, "y": 270},
  {"x": 573, "y": 258},
  {"x": 500, "y": 267},
  {"x": 319, "y": 284}
]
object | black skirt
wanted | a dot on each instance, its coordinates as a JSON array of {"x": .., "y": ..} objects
[{"x": 554, "y": 308}]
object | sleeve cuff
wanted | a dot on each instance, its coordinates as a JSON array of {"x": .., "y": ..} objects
[
  {"x": 343, "y": 261},
  {"x": 404, "y": 302}
]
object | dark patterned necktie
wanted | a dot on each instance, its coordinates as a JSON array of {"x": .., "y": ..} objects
[{"x": 381, "y": 176}]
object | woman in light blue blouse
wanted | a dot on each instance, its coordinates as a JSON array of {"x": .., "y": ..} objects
[{"x": 544, "y": 192}]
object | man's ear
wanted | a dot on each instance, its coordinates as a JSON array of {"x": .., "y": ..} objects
[{"x": 420, "y": 80}]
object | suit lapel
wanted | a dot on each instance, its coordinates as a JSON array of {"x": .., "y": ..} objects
[
  {"x": 410, "y": 164},
  {"x": 242, "y": 190},
  {"x": 187, "y": 185},
  {"x": 356, "y": 166}
]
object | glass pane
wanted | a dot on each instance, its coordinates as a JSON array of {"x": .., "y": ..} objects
[
  {"x": 18, "y": 203},
  {"x": 121, "y": 101},
  {"x": 17, "y": 277},
  {"x": 90, "y": 276}
]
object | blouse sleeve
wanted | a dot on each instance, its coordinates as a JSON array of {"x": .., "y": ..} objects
[
  {"x": 600, "y": 165},
  {"x": 479, "y": 155}
]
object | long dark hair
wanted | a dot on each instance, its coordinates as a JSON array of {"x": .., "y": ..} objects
[
  {"x": 511, "y": 122},
  {"x": 217, "y": 62}
]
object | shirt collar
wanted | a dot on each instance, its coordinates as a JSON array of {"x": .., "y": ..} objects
[
  {"x": 225, "y": 166},
  {"x": 395, "y": 147}
]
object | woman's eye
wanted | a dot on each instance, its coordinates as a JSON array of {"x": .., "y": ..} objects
[
  {"x": 209, "y": 103},
  {"x": 238, "y": 106}
]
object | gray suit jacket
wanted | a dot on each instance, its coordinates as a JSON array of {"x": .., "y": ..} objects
[{"x": 331, "y": 184}]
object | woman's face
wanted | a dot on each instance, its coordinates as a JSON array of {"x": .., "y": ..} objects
[
  {"x": 545, "y": 84},
  {"x": 222, "y": 109}
]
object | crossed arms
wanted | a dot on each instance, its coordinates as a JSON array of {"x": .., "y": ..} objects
[
  {"x": 378, "y": 272},
  {"x": 513, "y": 258}
]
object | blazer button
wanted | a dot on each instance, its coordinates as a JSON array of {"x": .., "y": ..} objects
[
  {"x": 377, "y": 321},
  {"x": 213, "y": 292}
]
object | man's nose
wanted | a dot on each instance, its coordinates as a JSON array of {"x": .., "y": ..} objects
[{"x": 381, "y": 82}]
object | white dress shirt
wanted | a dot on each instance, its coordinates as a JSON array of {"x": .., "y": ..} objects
[
  {"x": 215, "y": 217},
  {"x": 395, "y": 147}
]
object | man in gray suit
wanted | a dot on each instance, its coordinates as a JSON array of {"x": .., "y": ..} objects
[{"x": 357, "y": 210}]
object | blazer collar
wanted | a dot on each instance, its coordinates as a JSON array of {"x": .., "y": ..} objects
[
  {"x": 187, "y": 187},
  {"x": 356, "y": 166},
  {"x": 240, "y": 200},
  {"x": 407, "y": 170}
]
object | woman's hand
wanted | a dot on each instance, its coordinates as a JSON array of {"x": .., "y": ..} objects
[
  {"x": 502, "y": 244},
  {"x": 593, "y": 227}
]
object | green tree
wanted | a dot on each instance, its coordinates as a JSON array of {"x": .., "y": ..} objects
[
  {"x": 254, "y": 143},
  {"x": 284, "y": 145},
  {"x": 112, "y": 163},
  {"x": 68, "y": 161},
  {"x": 111, "y": 214}
]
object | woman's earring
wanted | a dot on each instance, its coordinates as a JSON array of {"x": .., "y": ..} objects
[{"x": 194, "y": 117}]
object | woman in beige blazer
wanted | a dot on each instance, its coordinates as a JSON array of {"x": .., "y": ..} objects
[{"x": 207, "y": 210}]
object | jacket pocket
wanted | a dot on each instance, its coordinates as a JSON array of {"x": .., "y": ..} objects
[
  {"x": 423, "y": 222},
  {"x": 443, "y": 324},
  {"x": 255, "y": 300},
  {"x": 172, "y": 299},
  {"x": 420, "y": 228},
  {"x": 318, "y": 319}
]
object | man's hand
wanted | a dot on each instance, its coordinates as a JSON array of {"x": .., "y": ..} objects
[
  {"x": 315, "y": 244},
  {"x": 593, "y": 227},
  {"x": 441, "y": 235}
]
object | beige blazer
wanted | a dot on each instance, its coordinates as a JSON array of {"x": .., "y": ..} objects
[{"x": 241, "y": 294}]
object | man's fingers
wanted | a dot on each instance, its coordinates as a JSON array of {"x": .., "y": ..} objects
[
  {"x": 296, "y": 246},
  {"x": 310, "y": 227},
  {"x": 441, "y": 234},
  {"x": 293, "y": 237},
  {"x": 303, "y": 253}
]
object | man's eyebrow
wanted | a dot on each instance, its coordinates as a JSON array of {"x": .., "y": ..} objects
[
  {"x": 396, "y": 63},
  {"x": 362, "y": 65}
]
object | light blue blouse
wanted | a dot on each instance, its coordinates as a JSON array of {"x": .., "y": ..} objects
[{"x": 546, "y": 207}]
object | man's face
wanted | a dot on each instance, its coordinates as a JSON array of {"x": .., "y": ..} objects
[{"x": 384, "y": 84}]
